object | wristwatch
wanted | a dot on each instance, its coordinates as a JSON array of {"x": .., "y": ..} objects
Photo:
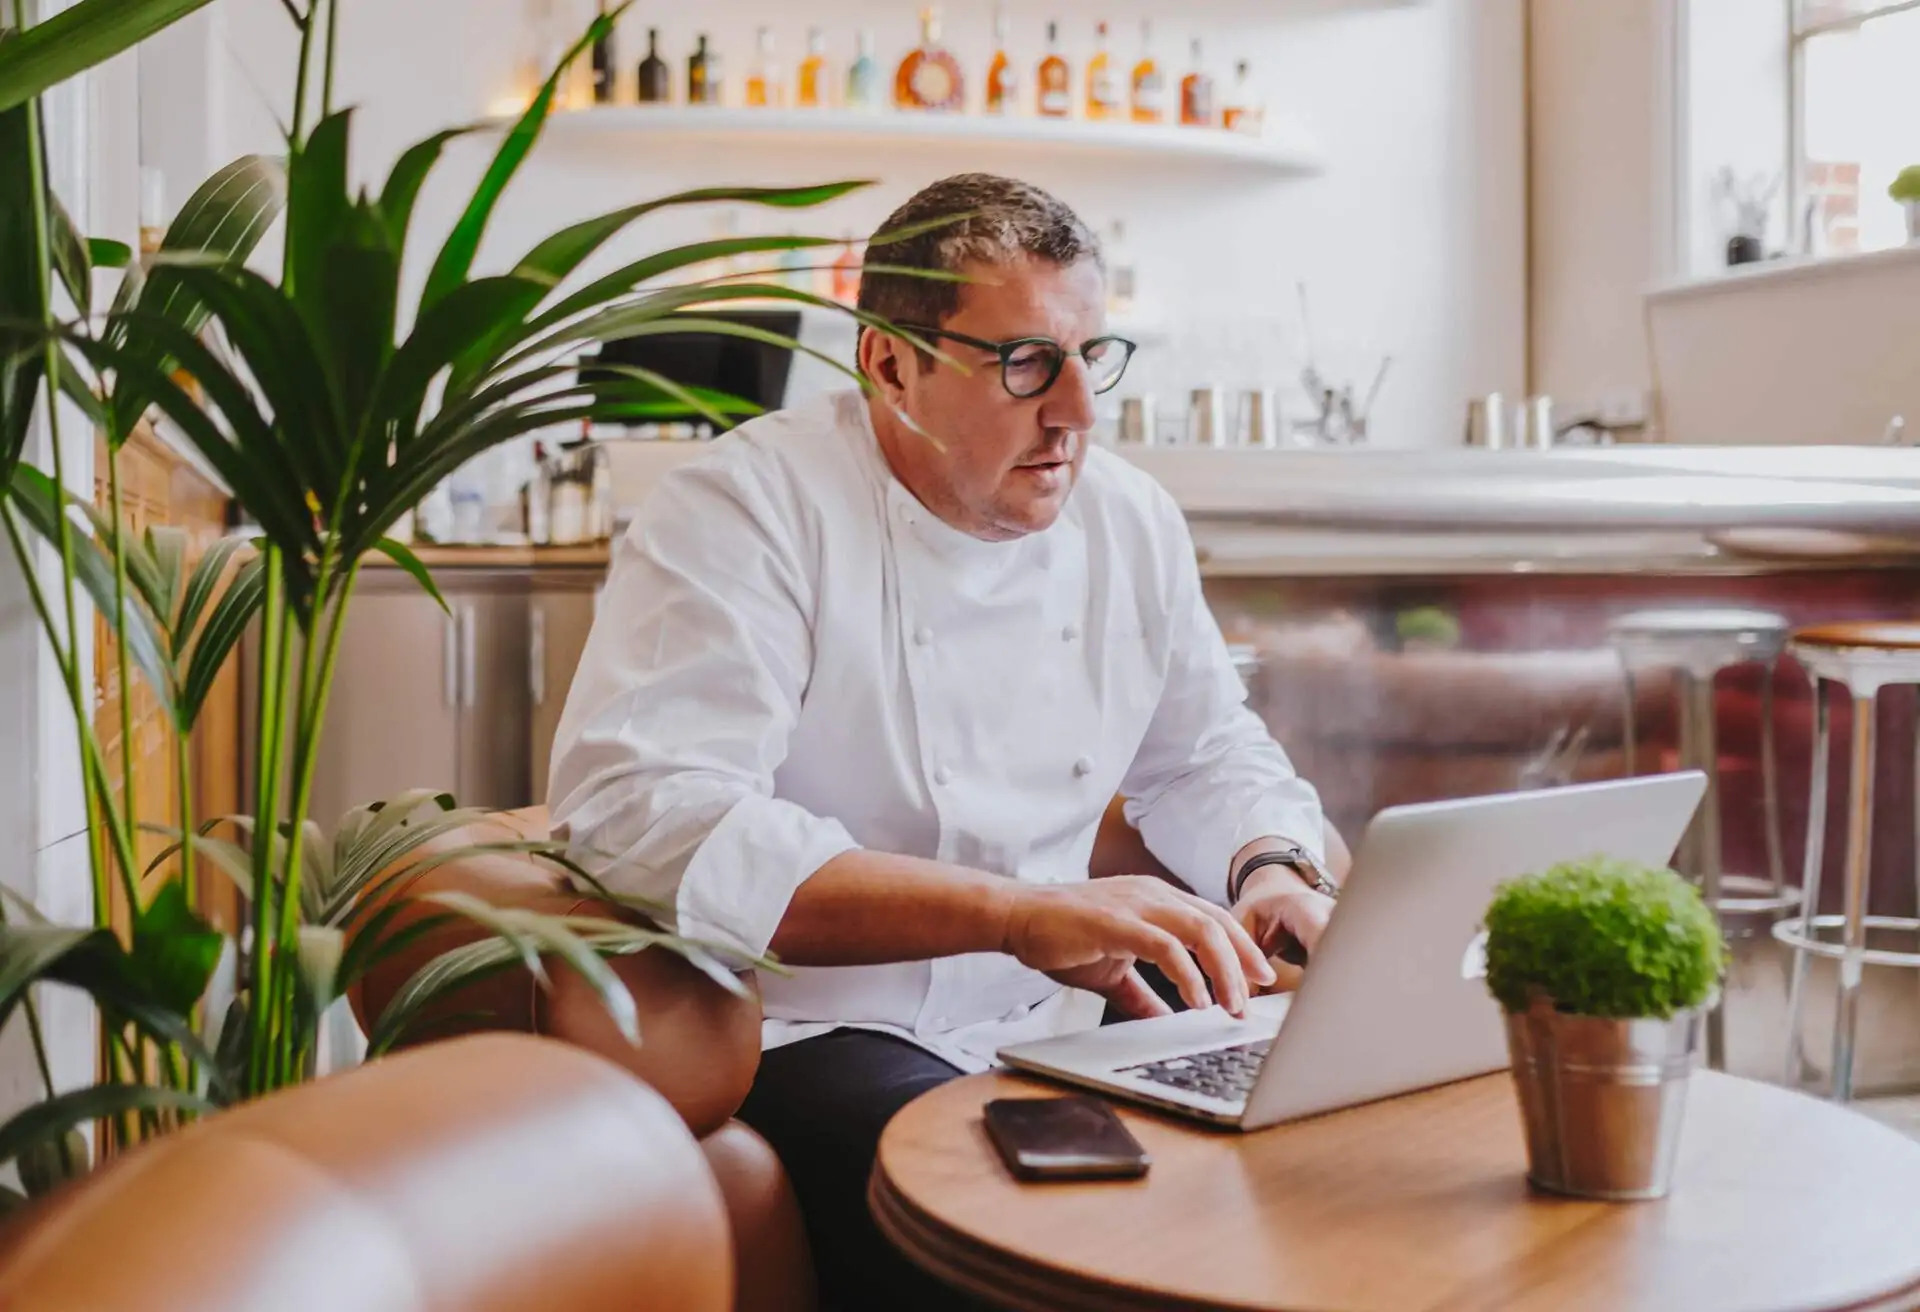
[{"x": 1296, "y": 859}]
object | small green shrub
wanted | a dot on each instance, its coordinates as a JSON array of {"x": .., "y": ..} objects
[
  {"x": 1603, "y": 937},
  {"x": 1907, "y": 185}
]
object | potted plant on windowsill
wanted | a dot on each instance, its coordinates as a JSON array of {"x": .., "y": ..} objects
[
  {"x": 1606, "y": 969},
  {"x": 1906, "y": 190}
]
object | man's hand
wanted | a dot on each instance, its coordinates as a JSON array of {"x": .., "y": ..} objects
[
  {"x": 1088, "y": 936},
  {"x": 1276, "y": 904}
]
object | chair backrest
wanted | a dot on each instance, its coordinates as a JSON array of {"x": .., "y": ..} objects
[{"x": 494, "y": 1174}]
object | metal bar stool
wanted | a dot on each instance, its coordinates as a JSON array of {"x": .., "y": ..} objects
[
  {"x": 1863, "y": 659},
  {"x": 1696, "y": 643}
]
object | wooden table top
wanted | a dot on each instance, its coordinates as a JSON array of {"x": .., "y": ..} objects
[{"x": 1419, "y": 1204}]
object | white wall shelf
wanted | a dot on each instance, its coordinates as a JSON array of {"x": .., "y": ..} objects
[{"x": 1286, "y": 148}]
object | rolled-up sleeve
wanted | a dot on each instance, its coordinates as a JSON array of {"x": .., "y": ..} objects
[
  {"x": 663, "y": 766},
  {"x": 1208, "y": 778}
]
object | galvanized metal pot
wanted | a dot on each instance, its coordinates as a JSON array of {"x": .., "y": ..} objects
[{"x": 1602, "y": 1100}]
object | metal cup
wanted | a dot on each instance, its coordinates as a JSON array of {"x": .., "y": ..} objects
[
  {"x": 1256, "y": 422},
  {"x": 1487, "y": 422},
  {"x": 1206, "y": 417},
  {"x": 1137, "y": 421}
]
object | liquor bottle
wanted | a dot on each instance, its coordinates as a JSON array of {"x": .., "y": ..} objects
[
  {"x": 1149, "y": 83},
  {"x": 929, "y": 77},
  {"x": 863, "y": 77},
  {"x": 1103, "y": 92},
  {"x": 764, "y": 88},
  {"x": 655, "y": 83},
  {"x": 605, "y": 70},
  {"x": 810, "y": 90},
  {"x": 846, "y": 275},
  {"x": 703, "y": 75},
  {"x": 1196, "y": 94},
  {"x": 1122, "y": 280},
  {"x": 1003, "y": 83},
  {"x": 1242, "y": 113},
  {"x": 1055, "y": 81}
]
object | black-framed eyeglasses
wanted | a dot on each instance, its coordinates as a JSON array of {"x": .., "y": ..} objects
[{"x": 1031, "y": 365}]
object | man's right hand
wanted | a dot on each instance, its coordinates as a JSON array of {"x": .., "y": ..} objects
[{"x": 1088, "y": 936}]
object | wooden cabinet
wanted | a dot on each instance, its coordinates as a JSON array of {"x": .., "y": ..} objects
[
  {"x": 465, "y": 700},
  {"x": 561, "y": 617}
]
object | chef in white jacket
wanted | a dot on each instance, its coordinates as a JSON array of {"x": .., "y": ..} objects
[{"x": 865, "y": 678}]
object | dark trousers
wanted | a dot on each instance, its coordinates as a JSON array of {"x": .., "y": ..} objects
[{"x": 822, "y": 1103}]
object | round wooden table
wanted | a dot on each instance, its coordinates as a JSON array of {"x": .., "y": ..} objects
[{"x": 1419, "y": 1204}]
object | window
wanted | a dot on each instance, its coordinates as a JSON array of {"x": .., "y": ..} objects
[{"x": 1856, "y": 118}]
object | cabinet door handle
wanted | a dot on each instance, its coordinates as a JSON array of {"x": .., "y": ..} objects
[
  {"x": 450, "y": 663},
  {"x": 537, "y": 653},
  {"x": 468, "y": 693}
]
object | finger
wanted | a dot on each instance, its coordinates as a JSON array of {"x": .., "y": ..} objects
[
  {"x": 1149, "y": 942},
  {"x": 1286, "y": 978},
  {"x": 1209, "y": 941},
  {"x": 1136, "y": 998},
  {"x": 1253, "y": 961}
]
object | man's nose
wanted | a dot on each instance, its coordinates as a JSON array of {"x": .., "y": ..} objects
[{"x": 1069, "y": 402}]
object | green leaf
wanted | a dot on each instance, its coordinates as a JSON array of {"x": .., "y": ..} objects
[
  {"x": 23, "y": 286},
  {"x": 404, "y": 182},
  {"x": 318, "y": 205},
  {"x": 455, "y": 261},
  {"x": 52, "y": 1162},
  {"x": 73, "y": 385},
  {"x": 167, "y": 548},
  {"x": 536, "y": 935},
  {"x": 28, "y": 952},
  {"x": 106, "y": 253},
  {"x": 174, "y": 950},
  {"x": 41, "y": 505},
  {"x": 77, "y": 39},
  {"x": 402, "y": 555},
  {"x": 52, "y": 1118},
  {"x": 450, "y": 970},
  {"x": 70, "y": 256},
  {"x": 214, "y": 645},
  {"x": 448, "y": 331},
  {"x": 207, "y": 575}
]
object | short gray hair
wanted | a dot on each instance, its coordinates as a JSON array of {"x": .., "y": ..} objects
[{"x": 1005, "y": 220}]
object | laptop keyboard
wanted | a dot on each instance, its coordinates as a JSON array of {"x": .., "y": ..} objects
[{"x": 1224, "y": 1073}]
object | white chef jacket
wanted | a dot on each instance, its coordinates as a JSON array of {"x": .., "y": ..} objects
[{"x": 794, "y": 658}]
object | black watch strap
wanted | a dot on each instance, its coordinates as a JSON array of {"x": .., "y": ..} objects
[{"x": 1295, "y": 858}]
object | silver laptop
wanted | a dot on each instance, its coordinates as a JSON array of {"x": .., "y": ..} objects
[{"x": 1395, "y": 998}]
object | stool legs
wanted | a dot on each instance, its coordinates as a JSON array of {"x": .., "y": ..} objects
[
  {"x": 1770, "y": 786},
  {"x": 1699, "y": 748},
  {"x": 1630, "y": 734},
  {"x": 1846, "y": 1017},
  {"x": 1810, "y": 873}
]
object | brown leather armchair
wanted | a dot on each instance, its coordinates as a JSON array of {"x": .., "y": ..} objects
[
  {"x": 699, "y": 1048},
  {"x": 496, "y": 1174}
]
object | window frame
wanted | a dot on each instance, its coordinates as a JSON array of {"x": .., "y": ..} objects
[{"x": 1799, "y": 34}]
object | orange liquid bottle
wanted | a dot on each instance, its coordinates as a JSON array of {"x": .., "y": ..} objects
[
  {"x": 1055, "y": 81},
  {"x": 763, "y": 84},
  {"x": 1196, "y": 94},
  {"x": 810, "y": 87},
  {"x": 1003, "y": 83},
  {"x": 846, "y": 275},
  {"x": 1103, "y": 90},
  {"x": 1149, "y": 83},
  {"x": 929, "y": 77}
]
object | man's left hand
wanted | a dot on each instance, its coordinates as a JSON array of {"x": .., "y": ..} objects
[{"x": 1276, "y": 904}]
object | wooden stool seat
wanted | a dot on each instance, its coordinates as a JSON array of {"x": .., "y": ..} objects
[{"x": 1878, "y": 635}]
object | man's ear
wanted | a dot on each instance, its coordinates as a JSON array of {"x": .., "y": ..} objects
[{"x": 882, "y": 361}]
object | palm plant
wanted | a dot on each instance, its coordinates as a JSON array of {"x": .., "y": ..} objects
[{"x": 335, "y": 405}]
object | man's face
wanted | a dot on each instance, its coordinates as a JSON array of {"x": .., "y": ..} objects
[{"x": 998, "y": 466}]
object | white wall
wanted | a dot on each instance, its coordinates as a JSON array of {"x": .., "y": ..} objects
[{"x": 1411, "y": 243}]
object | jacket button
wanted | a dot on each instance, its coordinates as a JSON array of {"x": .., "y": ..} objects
[
  {"x": 943, "y": 776},
  {"x": 923, "y": 635},
  {"x": 1069, "y": 633},
  {"x": 1083, "y": 767}
]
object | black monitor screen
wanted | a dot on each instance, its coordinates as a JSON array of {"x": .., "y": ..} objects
[{"x": 753, "y": 371}]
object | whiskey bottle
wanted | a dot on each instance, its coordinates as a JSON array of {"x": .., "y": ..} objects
[
  {"x": 863, "y": 76},
  {"x": 764, "y": 88},
  {"x": 1196, "y": 94},
  {"x": 1103, "y": 92},
  {"x": 605, "y": 70},
  {"x": 846, "y": 275},
  {"x": 655, "y": 83},
  {"x": 810, "y": 88},
  {"x": 1149, "y": 83},
  {"x": 703, "y": 75},
  {"x": 929, "y": 77},
  {"x": 1055, "y": 79},
  {"x": 1003, "y": 83},
  {"x": 1243, "y": 112}
]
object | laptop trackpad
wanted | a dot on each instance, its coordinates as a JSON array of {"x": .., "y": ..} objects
[{"x": 1129, "y": 1043}]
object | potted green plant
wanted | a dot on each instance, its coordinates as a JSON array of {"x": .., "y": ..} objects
[
  {"x": 1906, "y": 190},
  {"x": 1605, "y": 969}
]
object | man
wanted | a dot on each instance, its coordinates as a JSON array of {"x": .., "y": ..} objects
[{"x": 864, "y": 680}]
